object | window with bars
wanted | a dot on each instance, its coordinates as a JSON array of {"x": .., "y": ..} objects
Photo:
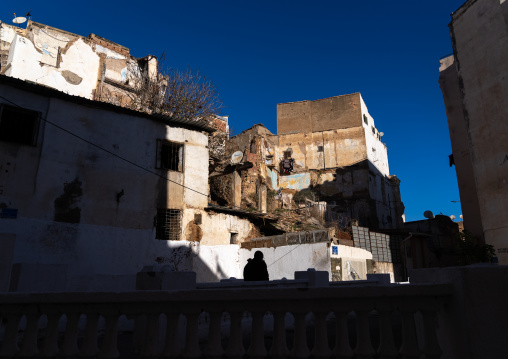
[
  {"x": 168, "y": 224},
  {"x": 169, "y": 156},
  {"x": 19, "y": 125}
]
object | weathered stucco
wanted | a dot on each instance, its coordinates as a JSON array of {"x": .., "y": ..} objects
[
  {"x": 90, "y": 67},
  {"x": 480, "y": 43},
  {"x": 82, "y": 207},
  {"x": 313, "y": 116}
]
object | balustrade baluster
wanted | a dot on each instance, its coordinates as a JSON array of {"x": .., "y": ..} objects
[
  {"x": 109, "y": 347},
  {"x": 70, "y": 341},
  {"x": 9, "y": 343},
  {"x": 321, "y": 347},
  {"x": 89, "y": 347},
  {"x": 235, "y": 349},
  {"x": 279, "y": 347},
  {"x": 29, "y": 346},
  {"x": 342, "y": 348},
  {"x": 50, "y": 345},
  {"x": 409, "y": 348},
  {"x": 151, "y": 335},
  {"x": 257, "y": 343},
  {"x": 431, "y": 347},
  {"x": 170, "y": 348},
  {"x": 192, "y": 339},
  {"x": 387, "y": 347},
  {"x": 214, "y": 348},
  {"x": 300, "y": 348},
  {"x": 363, "y": 348}
]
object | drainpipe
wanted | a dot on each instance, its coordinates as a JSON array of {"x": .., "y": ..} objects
[{"x": 405, "y": 252}]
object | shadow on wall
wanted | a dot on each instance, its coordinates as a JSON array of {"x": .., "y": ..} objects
[{"x": 358, "y": 192}]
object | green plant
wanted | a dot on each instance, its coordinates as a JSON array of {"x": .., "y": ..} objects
[
  {"x": 303, "y": 194},
  {"x": 471, "y": 250}
]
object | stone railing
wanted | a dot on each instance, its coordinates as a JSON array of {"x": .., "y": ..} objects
[{"x": 371, "y": 321}]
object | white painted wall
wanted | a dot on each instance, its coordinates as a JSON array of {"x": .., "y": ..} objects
[
  {"x": 376, "y": 149},
  {"x": 25, "y": 64},
  {"x": 284, "y": 261},
  {"x": 112, "y": 238}
]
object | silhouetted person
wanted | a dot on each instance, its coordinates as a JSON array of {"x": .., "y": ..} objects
[{"x": 255, "y": 269}]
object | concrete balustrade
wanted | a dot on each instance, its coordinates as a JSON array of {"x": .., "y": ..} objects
[
  {"x": 426, "y": 319},
  {"x": 25, "y": 334}
]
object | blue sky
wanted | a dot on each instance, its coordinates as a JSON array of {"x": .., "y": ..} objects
[{"x": 260, "y": 53}]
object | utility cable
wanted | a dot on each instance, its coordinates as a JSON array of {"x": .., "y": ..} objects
[{"x": 111, "y": 153}]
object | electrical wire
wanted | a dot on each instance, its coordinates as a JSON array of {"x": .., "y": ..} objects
[{"x": 111, "y": 153}]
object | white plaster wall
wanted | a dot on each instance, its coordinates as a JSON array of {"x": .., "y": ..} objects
[
  {"x": 217, "y": 228},
  {"x": 376, "y": 149},
  {"x": 218, "y": 262},
  {"x": 350, "y": 252},
  {"x": 110, "y": 54},
  {"x": 7, "y": 33},
  {"x": 113, "y": 237},
  {"x": 283, "y": 261},
  {"x": 24, "y": 60}
]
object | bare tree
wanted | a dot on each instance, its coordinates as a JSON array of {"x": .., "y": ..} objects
[{"x": 176, "y": 93}]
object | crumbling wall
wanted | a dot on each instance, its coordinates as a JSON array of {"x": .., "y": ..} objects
[{"x": 337, "y": 112}]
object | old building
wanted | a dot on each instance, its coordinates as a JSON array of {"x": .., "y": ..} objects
[
  {"x": 474, "y": 86},
  {"x": 331, "y": 152},
  {"x": 90, "y": 192},
  {"x": 90, "y": 67}
]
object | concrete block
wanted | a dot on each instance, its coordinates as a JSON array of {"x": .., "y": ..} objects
[
  {"x": 381, "y": 278},
  {"x": 178, "y": 281},
  {"x": 102, "y": 283},
  {"x": 148, "y": 279},
  {"x": 7, "y": 242},
  {"x": 314, "y": 278},
  {"x": 38, "y": 277}
]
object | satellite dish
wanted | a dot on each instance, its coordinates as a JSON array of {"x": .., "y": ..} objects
[
  {"x": 19, "y": 20},
  {"x": 461, "y": 217},
  {"x": 236, "y": 157},
  {"x": 381, "y": 134},
  {"x": 428, "y": 214},
  {"x": 452, "y": 217}
]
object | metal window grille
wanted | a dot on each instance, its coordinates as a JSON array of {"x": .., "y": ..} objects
[
  {"x": 170, "y": 156},
  {"x": 19, "y": 125},
  {"x": 169, "y": 224}
]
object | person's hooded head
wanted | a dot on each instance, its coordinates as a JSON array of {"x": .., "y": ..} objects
[{"x": 258, "y": 256}]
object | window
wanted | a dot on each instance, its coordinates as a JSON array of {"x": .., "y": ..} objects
[
  {"x": 169, "y": 156},
  {"x": 233, "y": 238},
  {"x": 168, "y": 224},
  {"x": 19, "y": 125},
  {"x": 365, "y": 119},
  {"x": 373, "y": 130},
  {"x": 320, "y": 148}
]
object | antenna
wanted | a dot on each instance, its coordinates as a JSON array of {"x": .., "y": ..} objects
[
  {"x": 236, "y": 157},
  {"x": 428, "y": 214},
  {"x": 18, "y": 20}
]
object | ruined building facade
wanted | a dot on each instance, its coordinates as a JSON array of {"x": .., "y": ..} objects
[
  {"x": 330, "y": 152},
  {"x": 475, "y": 93},
  {"x": 90, "y": 67}
]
